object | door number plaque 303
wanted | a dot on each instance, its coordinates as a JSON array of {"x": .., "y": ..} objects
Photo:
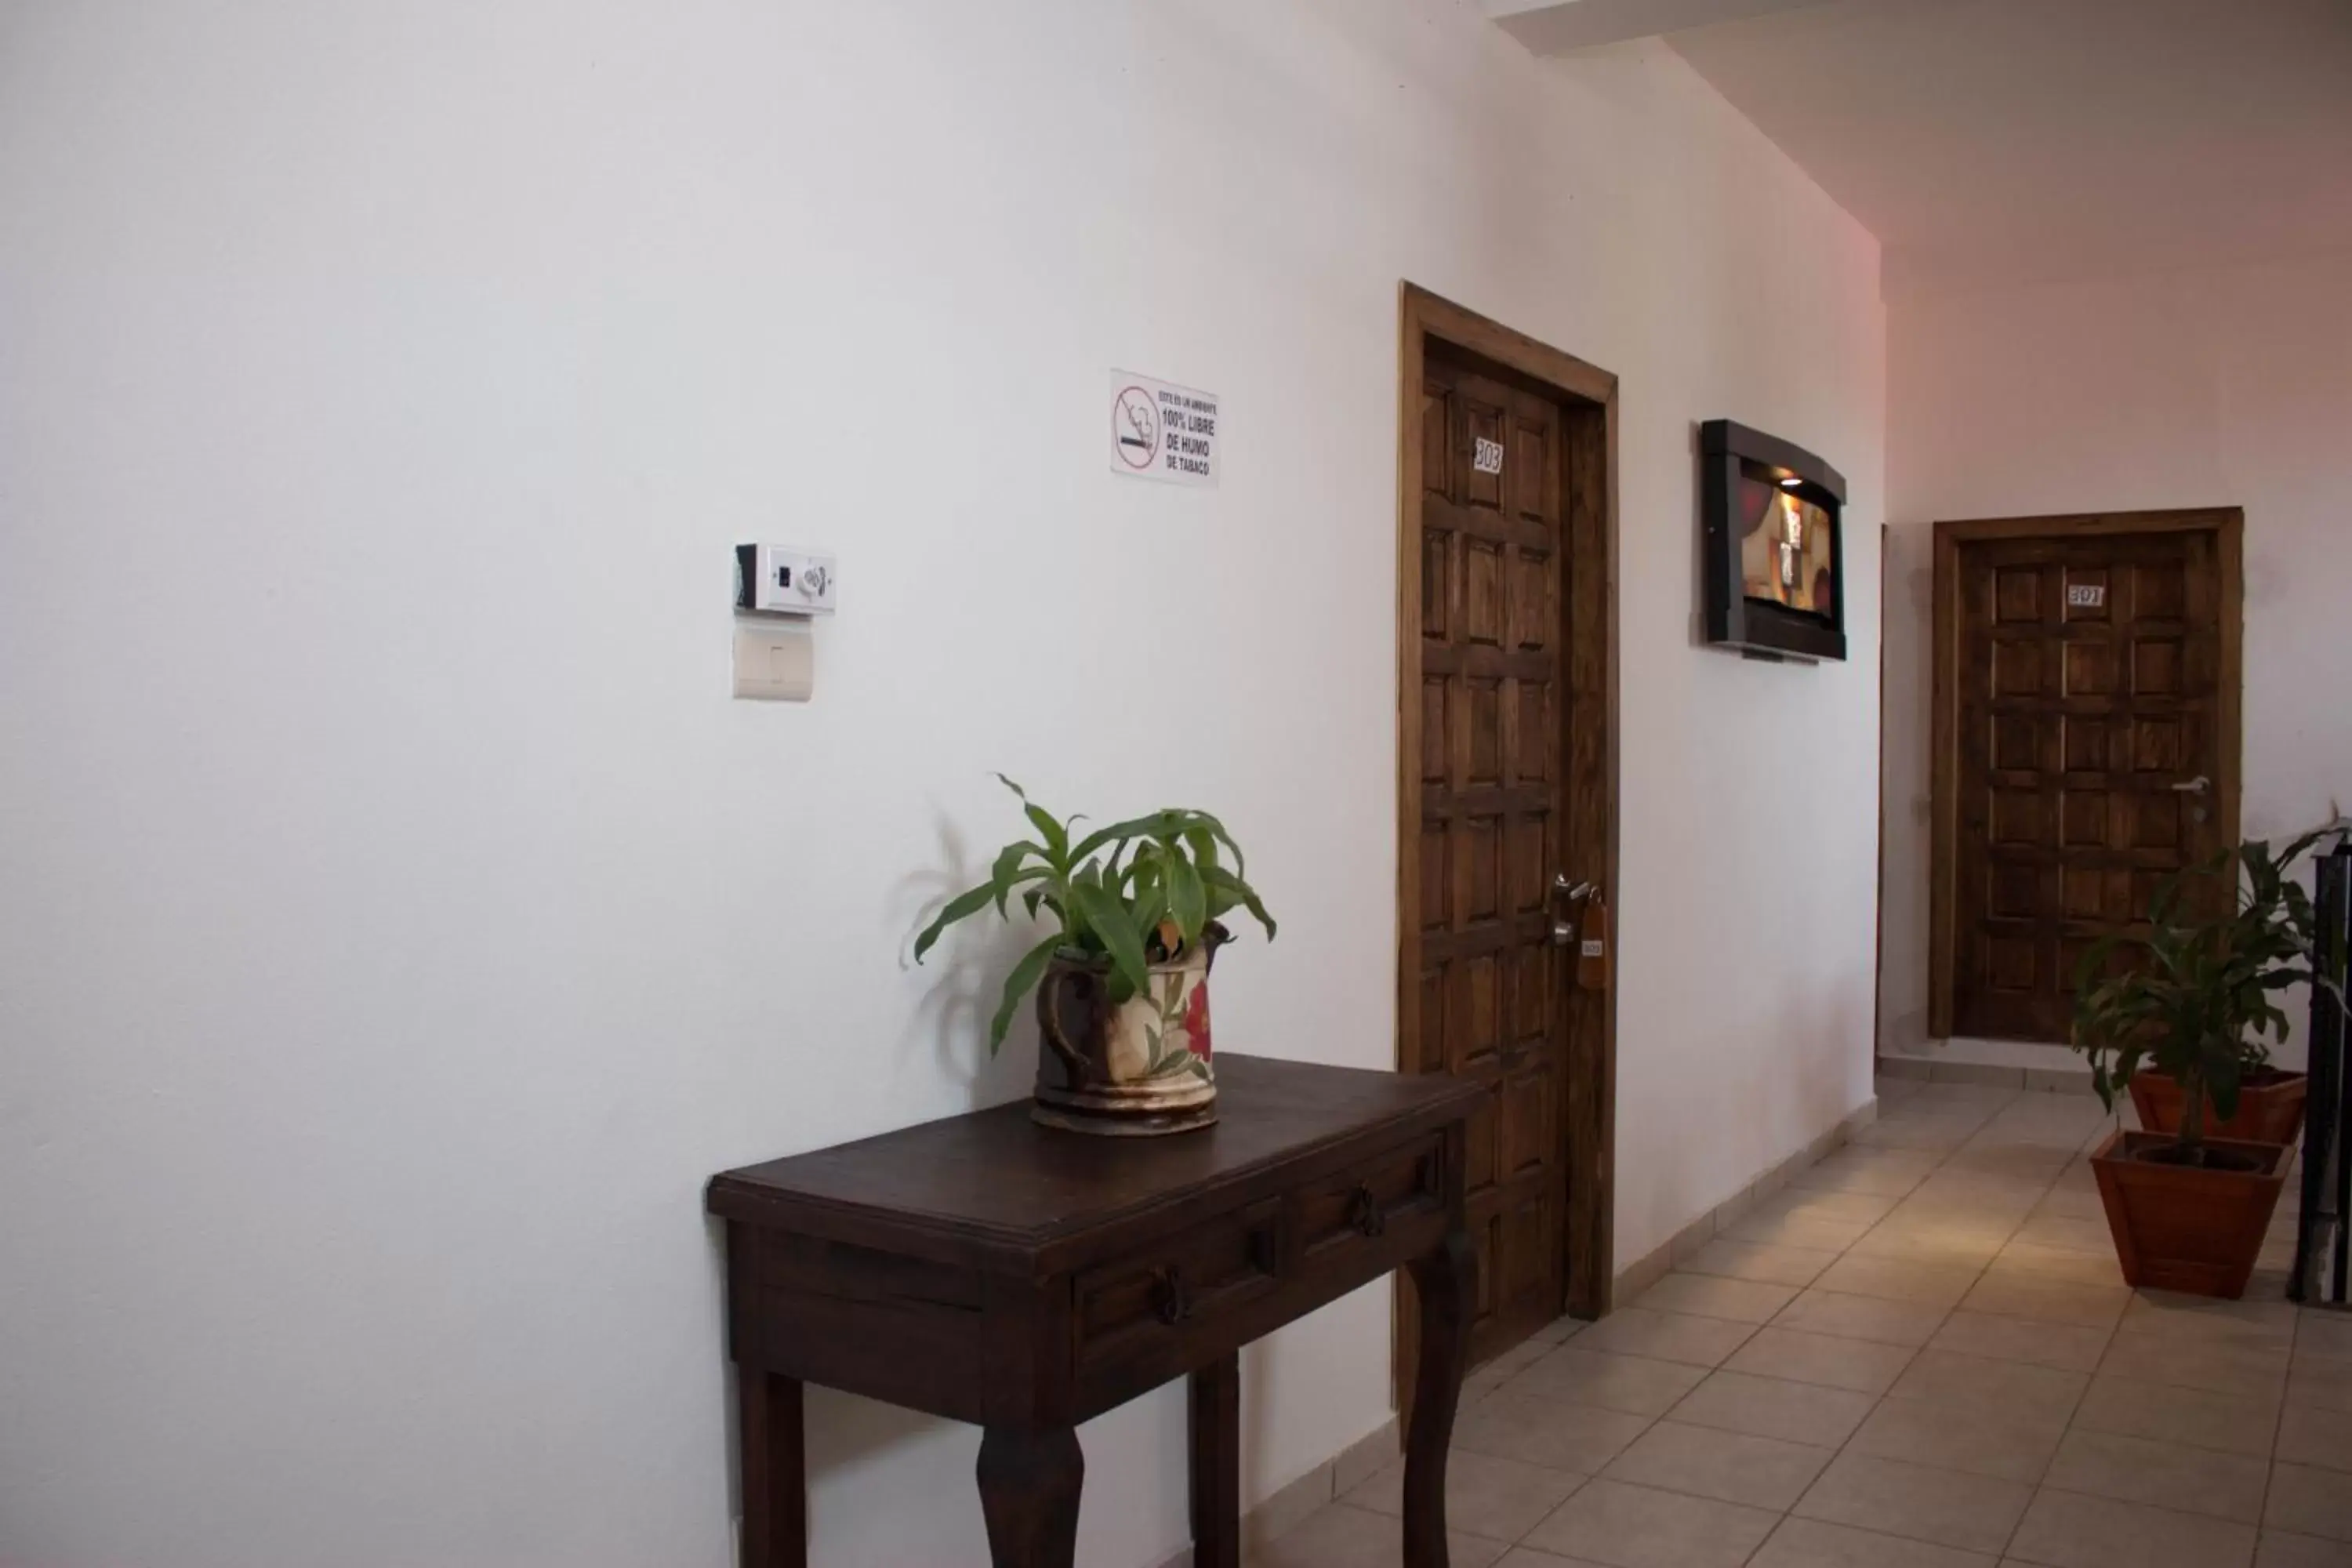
[{"x": 1486, "y": 456}]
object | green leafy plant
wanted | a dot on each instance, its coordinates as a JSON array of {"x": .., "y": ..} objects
[
  {"x": 2195, "y": 995},
  {"x": 1125, "y": 897}
]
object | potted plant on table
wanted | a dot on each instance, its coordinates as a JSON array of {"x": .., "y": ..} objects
[
  {"x": 1122, "y": 981},
  {"x": 2187, "y": 1205}
]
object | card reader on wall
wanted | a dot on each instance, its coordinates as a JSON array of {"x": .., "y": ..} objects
[{"x": 776, "y": 579}]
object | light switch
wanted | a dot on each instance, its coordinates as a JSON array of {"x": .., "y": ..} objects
[{"x": 775, "y": 664}]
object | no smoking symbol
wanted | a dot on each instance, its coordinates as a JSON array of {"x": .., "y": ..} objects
[{"x": 1135, "y": 427}]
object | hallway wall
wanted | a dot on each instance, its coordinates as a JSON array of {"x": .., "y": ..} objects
[
  {"x": 2163, "y": 390},
  {"x": 401, "y": 920}
]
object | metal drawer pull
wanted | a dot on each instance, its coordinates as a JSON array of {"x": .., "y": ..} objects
[
  {"x": 1171, "y": 1300},
  {"x": 1364, "y": 1212}
]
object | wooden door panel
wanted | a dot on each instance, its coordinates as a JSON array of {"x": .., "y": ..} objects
[
  {"x": 1483, "y": 1165},
  {"x": 1528, "y": 1264},
  {"x": 2089, "y": 686},
  {"x": 1485, "y": 1224},
  {"x": 1492, "y": 770},
  {"x": 1474, "y": 1036},
  {"x": 1482, "y": 598},
  {"x": 1529, "y": 1134},
  {"x": 1481, "y": 409}
]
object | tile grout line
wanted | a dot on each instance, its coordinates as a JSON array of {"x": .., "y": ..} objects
[
  {"x": 2074, "y": 1152},
  {"x": 1879, "y": 1400},
  {"x": 2041, "y": 1483},
  {"x": 1943, "y": 1323},
  {"x": 1944, "y": 1163},
  {"x": 1946, "y": 1160},
  {"x": 2278, "y": 1429}
]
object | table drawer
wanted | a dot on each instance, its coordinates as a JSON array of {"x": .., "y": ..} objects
[
  {"x": 1355, "y": 1207},
  {"x": 1178, "y": 1285}
]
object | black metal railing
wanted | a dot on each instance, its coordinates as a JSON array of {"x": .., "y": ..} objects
[{"x": 2320, "y": 1260}]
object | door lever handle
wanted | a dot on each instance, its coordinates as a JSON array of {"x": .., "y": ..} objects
[
  {"x": 1563, "y": 931},
  {"x": 2196, "y": 785}
]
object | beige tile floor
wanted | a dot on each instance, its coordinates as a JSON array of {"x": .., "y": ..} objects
[{"x": 1920, "y": 1355}]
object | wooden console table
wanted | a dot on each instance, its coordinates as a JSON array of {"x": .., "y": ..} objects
[{"x": 1025, "y": 1280}]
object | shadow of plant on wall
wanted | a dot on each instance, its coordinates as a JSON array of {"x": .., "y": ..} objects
[{"x": 954, "y": 1008}]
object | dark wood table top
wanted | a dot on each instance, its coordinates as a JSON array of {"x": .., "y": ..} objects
[{"x": 993, "y": 1187}]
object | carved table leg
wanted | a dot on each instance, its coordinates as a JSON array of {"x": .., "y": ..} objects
[
  {"x": 768, "y": 1439},
  {"x": 1217, "y": 1464},
  {"x": 1029, "y": 1484},
  {"x": 1444, "y": 1281}
]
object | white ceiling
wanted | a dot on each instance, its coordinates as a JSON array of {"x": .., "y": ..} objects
[{"x": 2057, "y": 138}]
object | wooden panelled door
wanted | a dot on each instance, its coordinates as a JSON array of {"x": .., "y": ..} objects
[
  {"x": 1487, "y": 907},
  {"x": 2089, "y": 669}
]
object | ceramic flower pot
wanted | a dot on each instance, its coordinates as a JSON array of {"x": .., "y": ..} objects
[
  {"x": 1132, "y": 1069},
  {"x": 2185, "y": 1227},
  {"x": 2269, "y": 1106}
]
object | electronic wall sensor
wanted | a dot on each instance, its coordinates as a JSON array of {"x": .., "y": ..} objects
[{"x": 776, "y": 579}]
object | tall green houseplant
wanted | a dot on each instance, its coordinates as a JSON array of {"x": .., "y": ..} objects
[{"x": 2196, "y": 995}]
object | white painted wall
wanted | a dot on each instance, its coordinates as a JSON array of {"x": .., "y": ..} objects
[
  {"x": 2207, "y": 387},
  {"x": 401, "y": 920}
]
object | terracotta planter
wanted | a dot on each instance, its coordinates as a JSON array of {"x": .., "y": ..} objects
[
  {"x": 2269, "y": 1106},
  {"x": 2180, "y": 1227},
  {"x": 1134, "y": 1069}
]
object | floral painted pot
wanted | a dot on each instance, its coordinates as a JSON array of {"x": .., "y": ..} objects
[{"x": 1134, "y": 1068}]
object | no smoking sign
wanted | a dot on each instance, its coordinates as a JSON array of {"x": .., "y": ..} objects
[{"x": 1161, "y": 431}]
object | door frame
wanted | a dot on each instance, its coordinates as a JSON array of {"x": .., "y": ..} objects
[
  {"x": 2228, "y": 526},
  {"x": 1588, "y": 398},
  {"x": 1878, "y": 923}
]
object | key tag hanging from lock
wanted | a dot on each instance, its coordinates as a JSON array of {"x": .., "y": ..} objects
[{"x": 1593, "y": 949}]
